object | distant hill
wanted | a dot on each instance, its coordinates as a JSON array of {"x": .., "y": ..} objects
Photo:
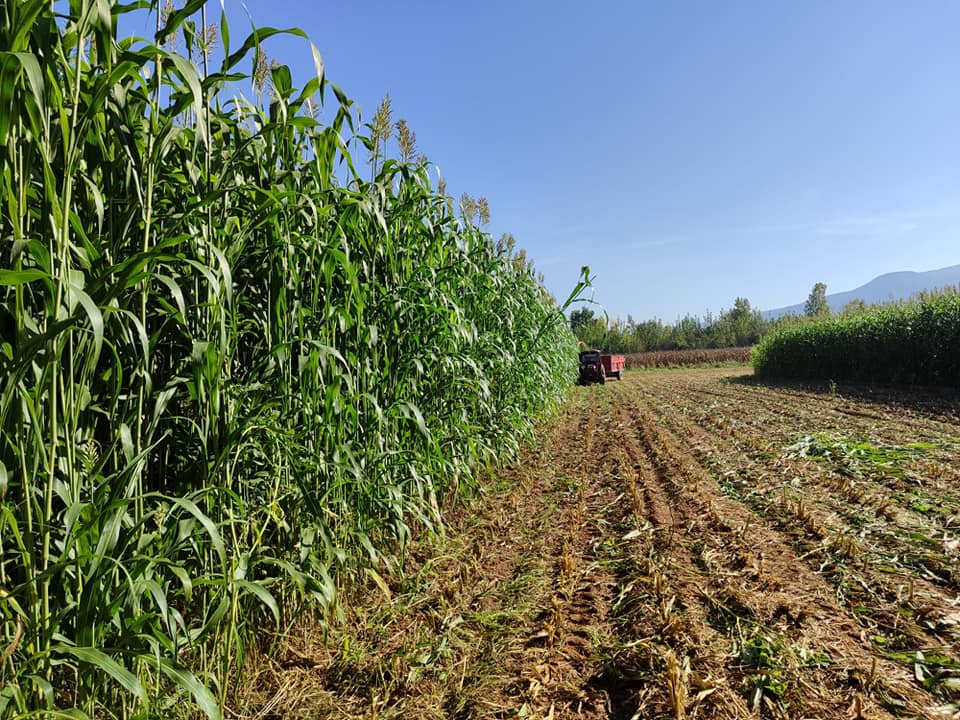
[{"x": 885, "y": 288}]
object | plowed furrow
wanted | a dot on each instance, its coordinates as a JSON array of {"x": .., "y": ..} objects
[
  {"x": 833, "y": 504},
  {"x": 795, "y": 590},
  {"x": 848, "y": 494}
]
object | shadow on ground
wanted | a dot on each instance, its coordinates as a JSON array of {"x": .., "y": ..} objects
[{"x": 933, "y": 401}]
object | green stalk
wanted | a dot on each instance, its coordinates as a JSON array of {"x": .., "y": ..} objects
[{"x": 320, "y": 426}]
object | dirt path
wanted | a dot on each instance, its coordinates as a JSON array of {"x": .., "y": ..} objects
[{"x": 663, "y": 553}]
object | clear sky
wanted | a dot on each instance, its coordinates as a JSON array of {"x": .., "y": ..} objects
[{"x": 688, "y": 152}]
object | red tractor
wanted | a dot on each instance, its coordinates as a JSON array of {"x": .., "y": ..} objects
[{"x": 597, "y": 367}]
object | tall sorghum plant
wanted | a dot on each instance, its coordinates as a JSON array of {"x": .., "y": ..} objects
[{"x": 230, "y": 371}]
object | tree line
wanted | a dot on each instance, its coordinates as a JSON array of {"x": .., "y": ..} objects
[{"x": 740, "y": 326}]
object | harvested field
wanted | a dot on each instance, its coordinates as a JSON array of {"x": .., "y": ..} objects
[{"x": 684, "y": 544}]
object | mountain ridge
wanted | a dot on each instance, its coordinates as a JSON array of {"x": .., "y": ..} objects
[{"x": 889, "y": 287}]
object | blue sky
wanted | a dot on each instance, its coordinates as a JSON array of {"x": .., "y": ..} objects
[{"x": 688, "y": 152}]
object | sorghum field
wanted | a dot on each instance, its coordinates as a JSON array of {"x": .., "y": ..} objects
[
  {"x": 234, "y": 371},
  {"x": 683, "y": 544},
  {"x": 258, "y": 382}
]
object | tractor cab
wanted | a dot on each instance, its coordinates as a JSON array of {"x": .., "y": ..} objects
[{"x": 591, "y": 367}]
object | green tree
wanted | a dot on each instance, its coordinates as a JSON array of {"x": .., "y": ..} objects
[
  {"x": 580, "y": 319},
  {"x": 855, "y": 307},
  {"x": 816, "y": 305},
  {"x": 741, "y": 310}
]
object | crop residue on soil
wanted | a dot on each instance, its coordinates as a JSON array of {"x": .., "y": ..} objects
[{"x": 682, "y": 544}]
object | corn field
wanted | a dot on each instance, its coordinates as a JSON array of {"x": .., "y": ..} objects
[
  {"x": 912, "y": 343},
  {"x": 232, "y": 369}
]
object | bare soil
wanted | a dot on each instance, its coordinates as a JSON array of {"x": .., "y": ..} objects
[{"x": 682, "y": 544}]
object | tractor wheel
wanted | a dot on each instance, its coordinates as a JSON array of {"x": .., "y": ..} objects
[
  {"x": 619, "y": 374},
  {"x": 603, "y": 377}
]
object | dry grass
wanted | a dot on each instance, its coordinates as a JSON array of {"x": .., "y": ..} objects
[{"x": 686, "y": 358}]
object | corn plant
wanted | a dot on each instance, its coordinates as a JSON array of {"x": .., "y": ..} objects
[{"x": 232, "y": 369}]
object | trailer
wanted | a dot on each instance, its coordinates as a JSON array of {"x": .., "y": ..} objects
[
  {"x": 614, "y": 365},
  {"x": 597, "y": 367}
]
